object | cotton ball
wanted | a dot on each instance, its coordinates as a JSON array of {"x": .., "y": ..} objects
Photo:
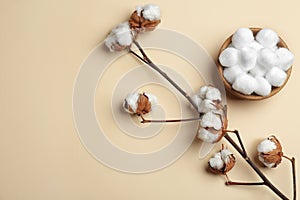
[
  {"x": 286, "y": 58},
  {"x": 197, "y": 100},
  {"x": 267, "y": 58},
  {"x": 245, "y": 84},
  {"x": 242, "y": 37},
  {"x": 255, "y": 45},
  {"x": 266, "y": 146},
  {"x": 276, "y": 76},
  {"x": 229, "y": 57},
  {"x": 267, "y": 37},
  {"x": 258, "y": 70},
  {"x": 152, "y": 99},
  {"x": 231, "y": 73},
  {"x": 264, "y": 88},
  {"x": 216, "y": 162},
  {"x": 211, "y": 119},
  {"x": 248, "y": 58}
]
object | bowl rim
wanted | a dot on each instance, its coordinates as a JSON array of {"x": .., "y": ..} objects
[{"x": 252, "y": 96}]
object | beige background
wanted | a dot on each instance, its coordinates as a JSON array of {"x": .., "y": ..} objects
[{"x": 42, "y": 45}]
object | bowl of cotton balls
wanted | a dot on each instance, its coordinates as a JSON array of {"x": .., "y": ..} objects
[{"x": 254, "y": 63}]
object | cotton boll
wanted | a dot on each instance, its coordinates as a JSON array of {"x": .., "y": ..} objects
[
  {"x": 152, "y": 99},
  {"x": 248, "y": 59},
  {"x": 264, "y": 88},
  {"x": 216, "y": 162},
  {"x": 276, "y": 76},
  {"x": 151, "y": 12},
  {"x": 225, "y": 155},
  {"x": 203, "y": 91},
  {"x": 206, "y": 105},
  {"x": 267, "y": 37},
  {"x": 229, "y": 57},
  {"x": 119, "y": 38},
  {"x": 258, "y": 70},
  {"x": 266, "y": 146},
  {"x": 255, "y": 46},
  {"x": 213, "y": 93},
  {"x": 286, "y": 58},
  {"x": 211, "y": 119},
  {"x": 207, "y": 136},
  {"x": 242, "y": 38},
  {"x": 130, "y": 104},
  {"x": 245, "y": 84},
  {"x": 231, "y": 73},
  {"x": 267, "y": 58},
  {"x": 197, "y": 100}
]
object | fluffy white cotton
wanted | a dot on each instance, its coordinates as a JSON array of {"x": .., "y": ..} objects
[
  {"x": 216, "y": 162},
  {"x": 245, "y": 84},
  {"x": 242, "y": 38},
  {"x": 151, "y": 12},
  {"x": 121, "y": 35},
  {"x": 276, "y": 76},
  {"x": 131, "y": 101},
  {"x": 267, "y": 58},
  {"x": 267, "y": 37},
  {"x": 206, "y": 105},
  {"x": 207, "y": 136},
  {"x": 225, "y": 155},
  {"x": 286, "y": 58},
  {"x": 258, "y": 70},
  {"x": 264, "y": 88},
  {"x": 229, "y": 57},
  {"x": 203, "y": 91},
  {"x": 213, "y": 93},
  {"x": 231, "y": 73},
  {"x": 266, "y": 146},
  {"x": 210, "y": 119},
  {"x": 248, "y": 58},
  {"x": 269, "y": 165},
  {"x": 197, "y": 100}
]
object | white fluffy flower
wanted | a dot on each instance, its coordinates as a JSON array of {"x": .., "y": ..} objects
[
  {"x": 270, "y": 152},
  {"x": 151, "y": 12},
  {"x": 276, "y": 76},
  {"x": 229, "y": 57},
  {"x": 211, "y": 119},
  {"x": 119, "y": 38},
  {"x": 209, "y": 92},
  {"x": 207, "y": 136},
  {"x": 245, "y": 84},
  {"x": 139, "y": 103},
  {"x": 267, "y": 37},
  {"x": 222, "y": 162}
]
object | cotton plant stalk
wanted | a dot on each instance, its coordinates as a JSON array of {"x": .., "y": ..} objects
[{"x": 207, "y": 102}]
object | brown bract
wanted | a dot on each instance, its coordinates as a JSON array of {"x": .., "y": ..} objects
[
  {"x": 139, "y": 23},
  {"x": 274, "y": 156},
  {"x": 144, "y": 105}
]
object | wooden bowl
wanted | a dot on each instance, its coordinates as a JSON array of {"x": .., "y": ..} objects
[{"x": 253, "y": 96}]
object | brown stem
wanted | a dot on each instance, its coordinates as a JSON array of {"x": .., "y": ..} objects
[
  {"x": 244, "y": 183},
  {"x": 240, "y": 150},
  {"x": 148, "y": 61},
  {"x": 255, "y": 168},
  {"x": 168, "y": 120},
  {"x": 294, "y": 175}
]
